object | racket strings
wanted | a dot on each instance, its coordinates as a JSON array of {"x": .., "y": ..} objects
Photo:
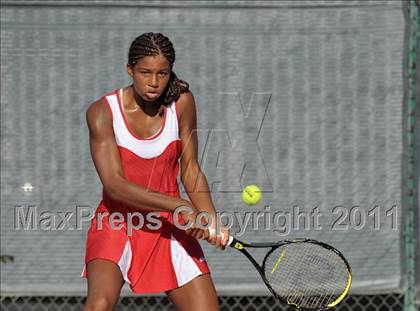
[
  {"x": 314, "y": 300},
  {"x": 324, "y": 292},
  {"x": 309, "y": 296},
  {"x": 329, "y": 297},
  {"x": 306, "y": 274},
  {"x": 302, "y": 292}
]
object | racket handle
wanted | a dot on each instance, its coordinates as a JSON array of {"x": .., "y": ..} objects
[{"x": 213, "y": 231}]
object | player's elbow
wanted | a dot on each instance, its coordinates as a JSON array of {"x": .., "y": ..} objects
[
  {"x": 114, "y": 189},
  {"x": 112, "y": 193}
]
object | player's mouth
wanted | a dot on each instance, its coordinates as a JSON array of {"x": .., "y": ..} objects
[{"x": 152, "y": 95}]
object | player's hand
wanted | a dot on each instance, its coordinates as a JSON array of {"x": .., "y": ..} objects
[
  {"x": 219, "y": 240},
  {"x": 194, "y": 230}
]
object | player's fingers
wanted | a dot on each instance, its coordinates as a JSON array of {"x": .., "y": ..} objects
[
  {"x": 218, "y": 243},
  {"x": 212, "y": 239},
  {"x": 206, "y": 235},
  {"x": 221, "y": 239},
  {"x": 222, "y": 242},
  {"x": 195, "y": 233},
  {"x": 213, "y": 234},
  {"x": 191, "y": 231},
  {"x": 225, "y": 239},
  {"x": 221, "y": 246},
  {"x": 209, "y": 235},
  {"x": 200, "y": 234}
]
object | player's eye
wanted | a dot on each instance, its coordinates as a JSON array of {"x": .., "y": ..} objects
[{"x": 163, "y": 74}]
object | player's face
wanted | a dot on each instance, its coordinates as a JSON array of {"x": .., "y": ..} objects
[{"x": 150, "y": 76}]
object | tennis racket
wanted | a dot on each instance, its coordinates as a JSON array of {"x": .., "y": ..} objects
[{"x": 306, "y": 274}]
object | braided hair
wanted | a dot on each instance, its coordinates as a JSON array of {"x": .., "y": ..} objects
[{"x": 153, "y": 44}]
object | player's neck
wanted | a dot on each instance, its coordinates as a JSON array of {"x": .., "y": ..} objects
[{"x": 135, "y": 102}]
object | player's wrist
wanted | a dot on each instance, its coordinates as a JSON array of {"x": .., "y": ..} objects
[{"x": 183, "y": 205}]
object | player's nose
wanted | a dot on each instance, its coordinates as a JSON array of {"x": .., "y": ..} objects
[{"x": 154, "y": 82}]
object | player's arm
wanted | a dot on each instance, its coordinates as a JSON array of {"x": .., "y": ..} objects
[
  {"x": 192, "y": 177},
  {"x": 107, "y": 161}
]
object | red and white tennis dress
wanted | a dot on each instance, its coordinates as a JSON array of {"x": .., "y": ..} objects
[{"x": 150, "y": 260}]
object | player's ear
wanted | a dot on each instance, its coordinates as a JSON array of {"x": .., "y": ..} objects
[{"x": 130, "y": 70}]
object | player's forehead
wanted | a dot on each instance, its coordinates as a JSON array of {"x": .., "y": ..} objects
[{"x": 154, "y": 63}]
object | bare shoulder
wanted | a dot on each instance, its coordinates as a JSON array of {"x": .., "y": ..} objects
[
  {"x": 186, "y": 105},
  {"x": 98, "y": 115}
]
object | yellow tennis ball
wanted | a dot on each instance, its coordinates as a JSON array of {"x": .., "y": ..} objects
[{"x": 251, "y": 195}]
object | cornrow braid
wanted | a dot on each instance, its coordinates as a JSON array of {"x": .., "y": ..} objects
[{"x": 153, "y": 44}]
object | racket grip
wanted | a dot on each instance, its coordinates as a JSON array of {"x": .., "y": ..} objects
[{"x": 213, "y": 231}]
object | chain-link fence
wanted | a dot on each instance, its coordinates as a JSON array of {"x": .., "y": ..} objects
[{"x": 388, "y": 302}]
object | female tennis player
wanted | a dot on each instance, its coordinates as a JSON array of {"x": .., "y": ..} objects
[{"x": 138, "y": 134}]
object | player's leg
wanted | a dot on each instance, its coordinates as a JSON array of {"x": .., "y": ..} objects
[
  {"x": 104, "y": 285},
  {"x": 198, "y": 294}
]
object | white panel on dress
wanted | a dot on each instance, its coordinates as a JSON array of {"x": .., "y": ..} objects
[
  {"x": 149, "y": 148},
  {"x": 185, "y": 267},
  {"x": 125, "y": 261}
]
